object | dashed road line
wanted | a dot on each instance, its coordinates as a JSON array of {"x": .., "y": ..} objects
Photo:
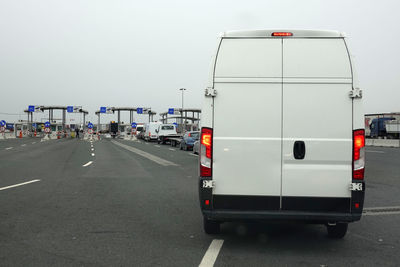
[
  {"x": 87, "y": 164},
  {"x": 92, "y": 154},
  {"x": 23, "y": 145},
  {"x": 212, "y": 253},
  {"x": 376, "y": 211},
  {"x": 15, "y": 185},
  {"x": 156, "y": 145},
  {"x": 375, "y": 151},
  {"x": 92, "y": 149},
  {"x": 8, "y": 148},
  {"x": 171, "y": 149},
  {"x": 33, "y": 143},
  {"x": 192, "y": 154},
  {"x": 144, "y": 154}
]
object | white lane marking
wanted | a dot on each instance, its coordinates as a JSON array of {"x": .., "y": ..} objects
[
  {"x": 212, "y": 253},
  {"x": 192, "y": 154},
  {"x": 157, "y": 146},
  {"x": 92, "y": 154},
  {"x": 382, "y": 208},
  {"x": 23, "y": 145},
  {"x": 149, "y": 156},
  {"x": 376, "y": 211},
  {"x": 146, "y": 143},
  {"x": 33, "y": 143},
  {"x": 92, "y": 149},
  {"x": 87, "y": 164},
  {"x": 15, "y": 185},
  {"x": 8, "y": 148},
  {"x": 372, "y": 213},
  {"x": 375, "y": 151},
  {"x": 171, "y": 149}
]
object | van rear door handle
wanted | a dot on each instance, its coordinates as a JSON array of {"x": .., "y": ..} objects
[{"x": 299, "y": 149}]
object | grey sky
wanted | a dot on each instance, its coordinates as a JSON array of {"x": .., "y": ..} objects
[{"x": 139, "y": 53}]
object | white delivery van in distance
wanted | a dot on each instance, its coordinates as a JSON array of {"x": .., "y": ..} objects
[
  {"x": 305, "y": 160},
  {"x": 150, "y": 133}
]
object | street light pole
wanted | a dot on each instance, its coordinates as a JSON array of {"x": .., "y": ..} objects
[{"x": 182, "y": 89}]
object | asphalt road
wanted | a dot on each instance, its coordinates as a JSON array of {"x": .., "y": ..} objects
[{"x": 136, "y": 204}]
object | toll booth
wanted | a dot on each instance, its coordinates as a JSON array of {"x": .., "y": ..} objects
[{"x": 21, "y": 129}]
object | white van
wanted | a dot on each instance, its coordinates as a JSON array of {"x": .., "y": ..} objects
[
  {"x": 164, "y": 131},
  {"x": 150, "y": 132},
  {"x": 305, "y": 160}
]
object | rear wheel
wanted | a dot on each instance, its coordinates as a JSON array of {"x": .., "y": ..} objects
[
  {"x": 211, "y": 227},
  {"x": 338, "y": 230}
]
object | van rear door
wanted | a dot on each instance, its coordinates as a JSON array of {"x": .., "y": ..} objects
[
  {"x": 247, "y": 123},
  {"x": 317, "y": 118}
]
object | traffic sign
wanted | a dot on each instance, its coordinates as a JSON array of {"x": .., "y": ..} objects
[
  {"x": 175, "y": 124},
  {"x": 34, "y": 125},
  {"x": 2, "y": 123},
  {"x": 171, "y": 111},
  {"x": 2, "y": 129},
  {"x": 70, "y": 109},
  {"x": 139, "y": 110},
  {"x": 47, "y": 124},
  {"x": 90, "y": 125},
  {"x": 103, "y": 109},
  {"x": 47, "y": 130},
  {"x": 31, "y": 108},
  {"x": 133, "y": 124}
]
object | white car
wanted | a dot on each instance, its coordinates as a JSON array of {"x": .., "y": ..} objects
[
  {"x": 164, "y": 131},
  {"x": 299, "y": 151}
]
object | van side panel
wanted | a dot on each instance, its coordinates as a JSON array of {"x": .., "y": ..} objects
[
  {"x": 247, "y": 152},
  {"x": 317, "y": 110}
]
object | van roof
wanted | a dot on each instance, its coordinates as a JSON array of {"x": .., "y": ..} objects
[{"x": 296, "y": 33}]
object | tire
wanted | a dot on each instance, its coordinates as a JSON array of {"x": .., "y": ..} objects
[
  {"x": 337, "y": 231},
  {"x": 211, "y": 227}
]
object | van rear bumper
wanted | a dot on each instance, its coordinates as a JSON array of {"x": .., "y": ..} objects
[{"x": 316, "y": 217}]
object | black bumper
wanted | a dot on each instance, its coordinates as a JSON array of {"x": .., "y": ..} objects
[
  {"x": 267, "y": 208},
  {"x": 317, "y": 217}
]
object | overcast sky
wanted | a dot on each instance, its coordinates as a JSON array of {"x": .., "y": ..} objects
[{"x": 139, "y": 53}]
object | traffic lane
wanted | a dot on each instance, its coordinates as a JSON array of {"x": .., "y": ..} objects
[
  {"x": 46, "y": 160},
  {"x": 121, "y": 210},
  {"x": 382, "y": 177},
  {"x": 156, "y": 205},
  {"x": 17, "y": 142},
  {"x": 29, "y": 212},
  {"x": 367, "y": 243}
]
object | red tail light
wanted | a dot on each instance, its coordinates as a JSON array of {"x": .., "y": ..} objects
[
  {"x": 189, "y": 135},
  {"x": 149, "y": 133},
  {"x": 282, "y": 34},
  {"x": 358, "y": 154},
  {"x": 206, "y": 152}
]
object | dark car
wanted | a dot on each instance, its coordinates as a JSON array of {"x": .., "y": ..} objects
[{"x": 188, "y": 140}]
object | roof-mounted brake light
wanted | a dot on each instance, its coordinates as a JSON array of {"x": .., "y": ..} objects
[{"x": 282, "y": 34}]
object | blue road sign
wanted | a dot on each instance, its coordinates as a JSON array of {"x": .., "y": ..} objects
[
  {"x": 34, "y": 125},
  {"x": 90, "y": 125},
  {"x": 70, "y": 109},
  {"x": 31, "y": 108},
  {"x": 10, "y": 126},
  {"x": 133, "y": 124},
  {"x": 2, "y": 123},
  {"x": 103, "y": 109},
  {"x": 175, "y": 124},
  {"x": 171, "y": 111},
  {"x": 47, "y": 124},
  {"x": 139, "y": 110}
]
